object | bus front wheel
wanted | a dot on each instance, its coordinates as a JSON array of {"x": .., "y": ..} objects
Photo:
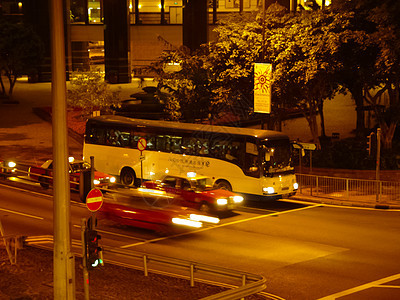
[
  {"x": 128, "y": 177},
  {"x": 223, "y": 185}
]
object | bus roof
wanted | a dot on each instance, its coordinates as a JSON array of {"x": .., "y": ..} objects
[{"x": 125, "y": 121}]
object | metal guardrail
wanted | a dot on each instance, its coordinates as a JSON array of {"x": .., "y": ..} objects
[
  {"x": 348, "y": 189},
  {"x": 248, "y": 284},
  {"x": 12, "y": 243}
]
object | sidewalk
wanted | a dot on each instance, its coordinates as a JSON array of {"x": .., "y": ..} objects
[{"x": 27, "y": 138}]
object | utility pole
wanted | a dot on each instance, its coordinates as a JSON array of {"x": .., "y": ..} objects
[
  {"x": 378, "y": 152},
  {"x": 63, "y": 259}
]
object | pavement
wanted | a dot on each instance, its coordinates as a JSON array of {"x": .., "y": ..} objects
[{"x": 26, "y": 137}]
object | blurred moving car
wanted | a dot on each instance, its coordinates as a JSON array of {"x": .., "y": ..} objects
[
  {"x": 148, "y": 104},
  {"x": 44, "y": 174},
  {"x": 151, "y": 209},
  {"x": 197, "y": 192},
  {"x": 7, "y": 167}
]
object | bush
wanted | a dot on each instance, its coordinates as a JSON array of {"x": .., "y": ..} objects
[{"x": 352, "y": 154}]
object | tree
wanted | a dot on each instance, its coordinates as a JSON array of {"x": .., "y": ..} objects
[
  {"x": 188, "y": 87},
  {"x": 21, "y": 51},
  {"x": 90, "y": 92},
  {"x": 387, "y": 68}
]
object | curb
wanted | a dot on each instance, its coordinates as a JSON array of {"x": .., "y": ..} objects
[{"x": 344, "y": 203}]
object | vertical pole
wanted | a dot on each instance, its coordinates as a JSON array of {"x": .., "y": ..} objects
[
  {"x": 243, "y": 282},
  {"x": 146, "y": 271},
  {"x": 84, "y": 260},
  {"x": 300, "y": 160},
  {"x": 141, "y": 168},
  {"x": 378, "y": 152},
  {"x": 191, "y": 275},
  {"x": 91, "y": 172},
  {"x": 63, "y": 265},
  {"x": 6, "y": 244},
  {"x": 378, "y": 160}
]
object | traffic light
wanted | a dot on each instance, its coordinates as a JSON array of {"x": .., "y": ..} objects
[
  {"x": 94, "y": 255},
  {"x": 369, "y": 144}
]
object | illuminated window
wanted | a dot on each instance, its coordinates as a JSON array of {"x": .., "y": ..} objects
[{"x": 94, "y": 11}]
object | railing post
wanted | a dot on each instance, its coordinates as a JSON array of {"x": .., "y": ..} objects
[
  {"x": 146, "y": 271},
  {"x": 347, "y": 189},
  {"x": 192, "y": 275},
  {"x": 243, "y": 282}
]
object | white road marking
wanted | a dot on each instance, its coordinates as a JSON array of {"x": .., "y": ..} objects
[
  {"x": 376, "y": 283},
  {"x": 221, "y": 225},
  {"x": 21, "y": 214}
]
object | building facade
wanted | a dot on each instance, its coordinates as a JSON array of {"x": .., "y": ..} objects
[{"x": 122, "y": 37}]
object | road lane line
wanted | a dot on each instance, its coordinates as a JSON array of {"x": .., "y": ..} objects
[
  {"x": 21, "y": 214},
  {"x": 348, "y": 205},
  {"x": 26, "y": 191},
  {"x": 361, "y": 287},
  {"x": 221, "y": 225}
]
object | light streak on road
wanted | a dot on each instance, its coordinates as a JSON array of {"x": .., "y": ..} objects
[{"x": 221, "y": 225}]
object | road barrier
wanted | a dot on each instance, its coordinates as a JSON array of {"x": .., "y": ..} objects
[
  {"x": 246, "y": 283},
  {"x": 373, "y": 192},
  {"x": 250, "y": 283}
]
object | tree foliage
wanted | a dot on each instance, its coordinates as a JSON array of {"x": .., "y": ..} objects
[
  {"x": 352, "y": 46},
  {"x": 21, "y": 51},
  {"x": 90, "y": 92}
]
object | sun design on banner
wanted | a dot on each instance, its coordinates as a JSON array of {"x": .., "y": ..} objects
[{"x": 262, "y": 80}]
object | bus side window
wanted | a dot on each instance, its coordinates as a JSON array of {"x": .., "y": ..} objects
[
  {"x": 113, "y": 138},
  {"x": 176, "y": 144}
]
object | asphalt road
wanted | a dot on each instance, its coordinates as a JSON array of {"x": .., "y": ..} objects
[{"x": 304, "y": 251}]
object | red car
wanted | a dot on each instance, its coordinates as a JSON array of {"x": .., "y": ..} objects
[
  {"x": 151, "y": 209},
  {"x": 44, "y": 174},
  {"x": 7, "y": 167},
  {"x": 197, "y": 192}
]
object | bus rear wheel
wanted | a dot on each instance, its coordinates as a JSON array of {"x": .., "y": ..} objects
[
  {"x": 127, "y": 177},
  {"x": 223, "y": 185}
]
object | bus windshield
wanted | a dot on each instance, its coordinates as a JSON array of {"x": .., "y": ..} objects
[{"x": 276, "y": 156}]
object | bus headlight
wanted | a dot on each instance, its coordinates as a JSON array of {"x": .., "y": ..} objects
[
  {"x": 237, "y": 199},
  {"x": 269, "y": 190},
  {"x": 222, "y": 201},
  {"x": 295, "y": 185}
]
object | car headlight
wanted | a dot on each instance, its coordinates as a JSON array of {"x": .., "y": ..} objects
[
  {"x": 295, "y": 185},
  {"x": 222, "y": 201},
  {"x": 186, "y": 222},
  {"x": 203, "y": 218},
  {"x": 96, "y": 182},
  {"x": 237, "y": 199},
  {"x": 269, "y": 190},
  {"x": 112, "y": 179},
  {"x": 11, "y": 164}
]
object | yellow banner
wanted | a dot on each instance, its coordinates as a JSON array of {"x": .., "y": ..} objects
[{"x": 262, "y": 87}]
